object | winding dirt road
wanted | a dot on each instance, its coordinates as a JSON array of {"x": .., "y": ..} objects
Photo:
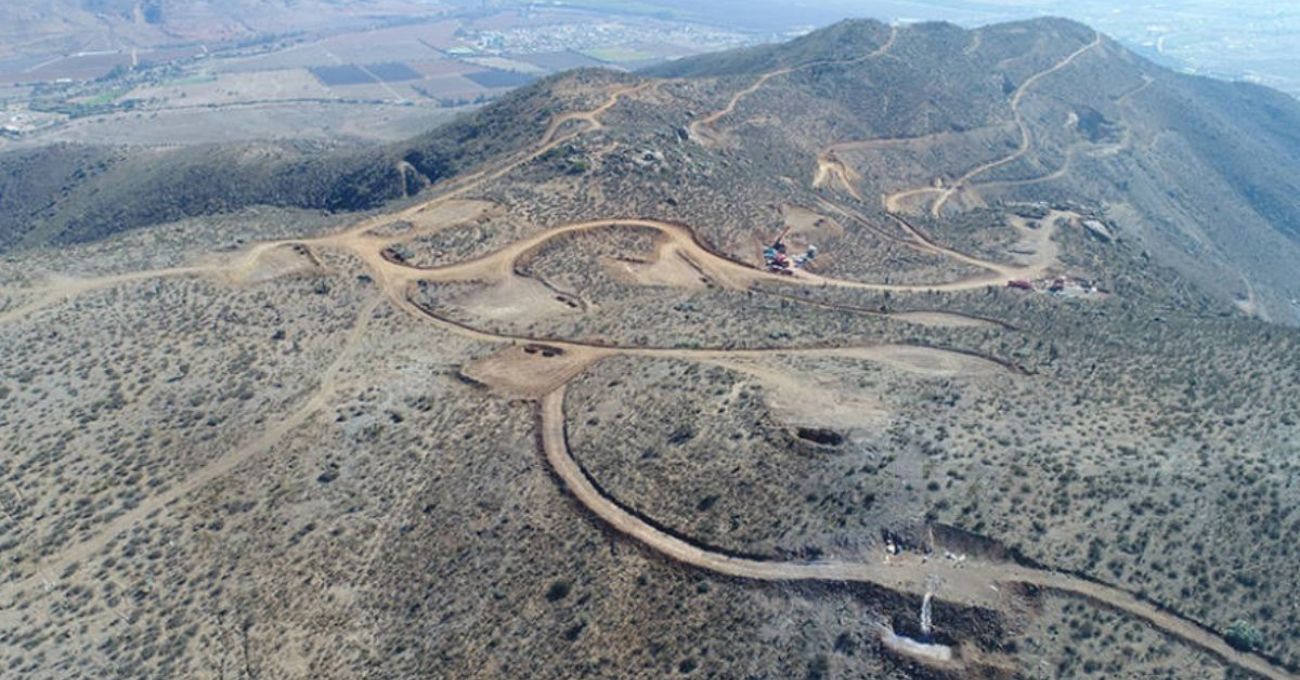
[
  {"x": 897, "y": 202},
  {"x": 1086, "y": 149},
  {"x": 394, "y": 280},
  {"x": 1026, "y": 135},
  {"x": 972, "y": 583},
  {"x": 697, "y": 126},
  {"x": 727, "y": 272},
  {"x": 830, "y": 169},
  {"x": 968, "y": 583}
]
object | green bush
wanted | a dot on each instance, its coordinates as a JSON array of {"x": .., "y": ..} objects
[{"x": 1243, "y": 636}]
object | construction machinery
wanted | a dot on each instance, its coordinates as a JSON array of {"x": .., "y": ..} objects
[{"x": 778, "y": 262}]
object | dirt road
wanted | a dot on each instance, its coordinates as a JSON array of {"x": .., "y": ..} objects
[
  {"x": 592, "y": 117},
  {"x": 967, "y": 583},
  {"x": 1026, "y": 135},
  {"x": 726, "y": 272},
  {"x": 277, "y": 429},
  {"x": 525, "y": 369},
  {"x": 698, "y": 126},
  {"x": 61, "y": 288},
  {"x": 899, "y": 201},
  {"x": 830, "y": 169},
  {"x": 395, "y": 279}
]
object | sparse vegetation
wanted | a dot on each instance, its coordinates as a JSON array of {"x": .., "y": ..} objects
[{"x": 234, "y": 455}]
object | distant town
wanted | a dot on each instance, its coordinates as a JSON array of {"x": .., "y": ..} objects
[{"x": 401, "y": 75}]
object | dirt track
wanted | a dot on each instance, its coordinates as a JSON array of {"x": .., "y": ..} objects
[
  {"x": 59, "y": 289},
  {"x": 698, "y": 126},
  {"x": 898, "y": 201},
  {"x": 968, "y": 583},
  {"x": 831, "y": 169},
  {"x": 1026, "y": 136},
  {"x": 726, "y": 272},
  {"x": 524, "y": 369}
]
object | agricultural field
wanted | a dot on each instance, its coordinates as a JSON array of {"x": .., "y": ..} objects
[
  {"x": 440, "y": 62},
  {"x": 332, "y": 123},
  {"x": 498, "y": 79}
]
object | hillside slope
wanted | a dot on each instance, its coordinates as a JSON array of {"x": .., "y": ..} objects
[
  {"x": 68, "y": 194},
  {"x": 1198, "y": 170},
  {"x": 568, "y": 412},
  {"x": 1201, "y": 171}
]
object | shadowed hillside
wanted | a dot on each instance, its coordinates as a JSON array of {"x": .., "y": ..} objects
[{"x": 69, "y": 194}]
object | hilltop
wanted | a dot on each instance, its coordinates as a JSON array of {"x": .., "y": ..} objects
[
  {"x": 1188, "y": 166},
  {"x": 533, "y": 395}
]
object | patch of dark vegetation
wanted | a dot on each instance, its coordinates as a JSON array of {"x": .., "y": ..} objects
[
  {"x": 394, "y": 72},
  {"x": 546, "y": 351},
  {"x": 497, "y": 78},
  {"x": 558, "y": 591},
  {"x": 345, "y": 74},
  {"x": 1095, "y": 126},
  {"x": 460, "y": 376},
  {"x": 355, "y": 74},
  {"x": 682, "y": 435},
  {"x": 574, "y": 631},
  {"x": 820, "y": 435}
]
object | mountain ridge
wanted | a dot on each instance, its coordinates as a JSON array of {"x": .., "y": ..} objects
[
  {"x": 939, "y": 79},
  {"x": 719, "y": 376}
]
